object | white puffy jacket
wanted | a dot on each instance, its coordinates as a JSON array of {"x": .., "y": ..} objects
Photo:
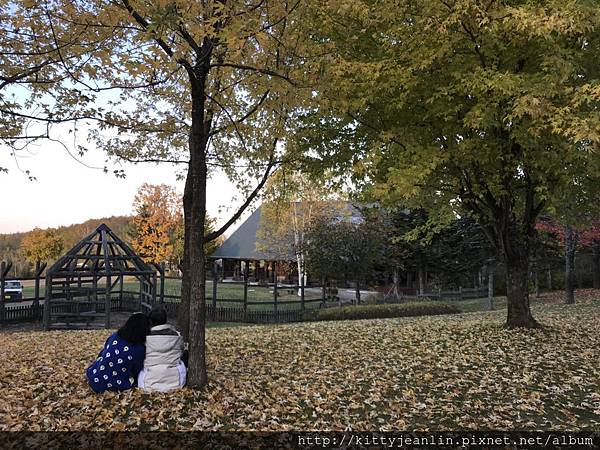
[{"x": 163, "y": 369}]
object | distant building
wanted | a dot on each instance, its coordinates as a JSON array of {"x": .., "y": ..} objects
[{"x": 240, "y": 250}]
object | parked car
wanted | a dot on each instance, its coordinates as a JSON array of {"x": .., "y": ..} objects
[{"x": 13, "y": 290}]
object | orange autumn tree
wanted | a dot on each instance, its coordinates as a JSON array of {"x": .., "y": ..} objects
[
  {"x": 157, "y": 215},
  {"x": 42, "y": 245}
]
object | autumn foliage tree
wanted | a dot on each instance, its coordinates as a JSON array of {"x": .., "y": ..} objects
[
  {"x": 209, "y": 85},
  {"x": 571, "y": 238},
  {"x": 41, "y": 245},
  {"x": 157, "y": 214},
  {"x": 487, "y": 109}
]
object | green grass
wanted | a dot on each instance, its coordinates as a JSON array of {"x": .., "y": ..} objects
[
  {"x": 480, "y": 304},
  {"x": 226, "y": 291}
]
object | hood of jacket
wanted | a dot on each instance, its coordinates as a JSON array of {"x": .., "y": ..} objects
[{"x": 165, "y": 349}]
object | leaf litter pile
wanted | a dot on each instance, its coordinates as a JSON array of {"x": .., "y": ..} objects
[{"x": 429, "y": 373}]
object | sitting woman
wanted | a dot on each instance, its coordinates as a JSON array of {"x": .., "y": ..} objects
[
  {"x": 122, "y": 358},
  {"x": 164, "y": 366}
]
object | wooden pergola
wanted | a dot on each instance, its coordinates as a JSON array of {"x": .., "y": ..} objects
[{"x": 88, "y": 281}]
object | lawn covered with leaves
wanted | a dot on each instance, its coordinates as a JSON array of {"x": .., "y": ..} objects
[{"x": 424, "y": 373}]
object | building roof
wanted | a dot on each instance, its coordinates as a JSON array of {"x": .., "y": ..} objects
[
  {"x": 102, "y": 253},
  {"x": 242, "y": 244}
]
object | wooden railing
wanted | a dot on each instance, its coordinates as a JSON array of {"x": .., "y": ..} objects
[{"x": 28, "y": 313}]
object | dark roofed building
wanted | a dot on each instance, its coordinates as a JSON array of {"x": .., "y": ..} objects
[
  {"x": 241, "y": 245},
  {"x": 240, "y": 250}
]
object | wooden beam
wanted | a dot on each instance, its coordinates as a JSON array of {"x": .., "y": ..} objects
[
  {"x": 47, "y": 302},
  {"x": 2, "y": 289},
  {"x": 214, "y": 286},
  {"x": 275, "y": 293}
]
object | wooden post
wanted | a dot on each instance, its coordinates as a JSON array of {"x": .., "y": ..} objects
[
  {"x": 460, "y": 294},
  {"x": 2, "y": 288},
  {"x": 215, "y": 274},
  {"x": 120, "y": 289},
  {"x": 141, "y": 297},
  {"x": 47, "y": 301},
  {"x": 275, "y": 286},
  {"x": 36, "y": 291},
  {"x": 39, "y": 268},
  {"x": 245, "y": 275},
  {"x": 161, "y": 299},
  {"x": 323, "y": 291},
  {"x": 154, "y": 283},
  {"x": 549, "y": 279},
  {"x": 94, "y": 289},
  {"x": 107, "y": 300}
]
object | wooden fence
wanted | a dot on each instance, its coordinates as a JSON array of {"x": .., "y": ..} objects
[
  {"x": 243, "y": 309},
  {"x": 33, "y": 312},
  {"x": 239, "y": 312}
]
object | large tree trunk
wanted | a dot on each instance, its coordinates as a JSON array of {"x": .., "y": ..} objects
[
  {"x": 517, "y": 292},
  {"x": 596, "y": 263},
  {"x": 195, "y": 213},
  {"x": 515, "y": 238},
  {"x": 569, "y": 265},
  {"x": 184, "y": 306},
  {"x": 197, "y": 375}
]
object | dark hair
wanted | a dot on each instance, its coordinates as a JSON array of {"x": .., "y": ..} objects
[
  {"x": 158, "y": 316},
  {"x": 135, "y": 329}
]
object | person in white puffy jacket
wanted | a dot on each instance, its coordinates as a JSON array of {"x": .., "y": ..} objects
[{"x": 164, "y": 367}]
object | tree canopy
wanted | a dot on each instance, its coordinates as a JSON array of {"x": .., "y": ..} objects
[
  {"x": 210, "y": 85},
  {"x": 42, "y": 245},
  {"x": 157, "y": 215},
  {"x": 464, "y": 107}
]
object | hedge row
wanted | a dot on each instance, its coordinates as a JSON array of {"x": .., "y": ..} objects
[{"x": 384, "y": 311}]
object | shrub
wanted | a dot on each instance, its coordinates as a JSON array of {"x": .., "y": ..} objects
[{"x": 383, "y": 311}]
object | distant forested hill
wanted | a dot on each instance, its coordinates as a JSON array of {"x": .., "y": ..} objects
[{"x": 71, "y": 234}]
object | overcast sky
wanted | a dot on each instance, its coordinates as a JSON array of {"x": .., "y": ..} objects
[{"x": 67, "y": 192}]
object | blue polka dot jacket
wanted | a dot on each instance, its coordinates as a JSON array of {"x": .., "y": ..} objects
[{"x": 117, "y": 366}]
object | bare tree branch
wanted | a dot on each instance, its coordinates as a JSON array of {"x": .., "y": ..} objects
[
  {"x": 255, "y": 69},
  {"x": 215, "y": 234}
]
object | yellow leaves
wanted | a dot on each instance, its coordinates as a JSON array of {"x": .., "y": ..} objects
[
  {"x": 570, "y": 18},
  {"x": 158, "y": 216},
  {"x": 42, "y": 245},
  {"x": 532, "y": 106},
  {"x": 437, "y": 373}
]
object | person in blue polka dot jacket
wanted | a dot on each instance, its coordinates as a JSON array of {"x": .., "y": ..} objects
[{"x": 122, "y": 357}]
